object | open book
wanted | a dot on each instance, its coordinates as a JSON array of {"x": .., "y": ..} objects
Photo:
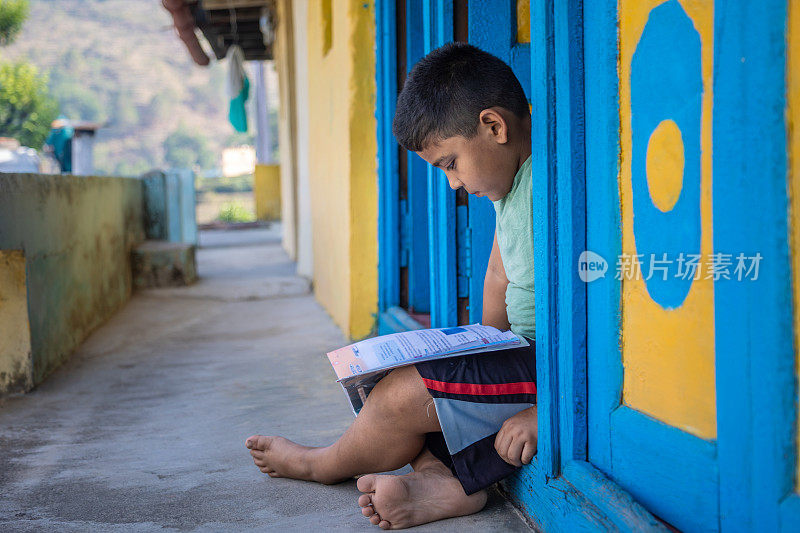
[{"x": 361, "y": 365}]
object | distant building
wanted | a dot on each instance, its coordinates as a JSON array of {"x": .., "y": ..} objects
[{"x": 83, "y": 148}]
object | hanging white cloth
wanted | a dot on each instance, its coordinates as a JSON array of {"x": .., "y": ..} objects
[{"x": 238, "y": 88}]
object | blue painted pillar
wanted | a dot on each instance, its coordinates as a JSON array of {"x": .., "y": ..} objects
[{"x": 169, "y": 201}]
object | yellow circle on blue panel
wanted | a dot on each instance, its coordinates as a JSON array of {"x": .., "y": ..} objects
[{"x": 665, "y": 165}]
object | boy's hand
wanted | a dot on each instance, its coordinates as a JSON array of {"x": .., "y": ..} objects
[{"x": 517, "y": 440}]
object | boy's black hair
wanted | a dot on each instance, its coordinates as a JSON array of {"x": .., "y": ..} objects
[{"x": 447, "y": 89}]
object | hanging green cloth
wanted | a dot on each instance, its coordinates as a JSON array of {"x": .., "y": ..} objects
[{"x": 238, "y": 89}]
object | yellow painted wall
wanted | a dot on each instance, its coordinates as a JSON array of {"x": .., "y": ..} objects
[
  {"x": 267, "y": 191},
  {"x": 792, "y": 123},
  {"x": 523, "y": 21},
  {"x": 668, "y": 355},
  {"x": 16, "y": 363},
  {"x": 343, "y": 161}
]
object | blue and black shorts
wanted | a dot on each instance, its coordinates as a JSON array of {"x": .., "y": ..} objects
[{"x": 474, "y": 394}]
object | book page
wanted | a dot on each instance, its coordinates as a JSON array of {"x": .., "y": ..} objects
[
  {"x": 357, "y": 387},
  {"x": 396, "y": 349}
]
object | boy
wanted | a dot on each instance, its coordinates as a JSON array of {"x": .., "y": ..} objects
[{"x": 464, "y": 422}]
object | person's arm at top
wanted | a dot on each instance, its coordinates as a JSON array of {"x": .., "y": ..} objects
[{"x": 494, "y": 291}]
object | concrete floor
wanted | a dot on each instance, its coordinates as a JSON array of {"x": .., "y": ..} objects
[{"x": 143, "y": 429}]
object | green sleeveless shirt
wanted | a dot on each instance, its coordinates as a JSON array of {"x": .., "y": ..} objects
[{"x": 515, "y": 240}]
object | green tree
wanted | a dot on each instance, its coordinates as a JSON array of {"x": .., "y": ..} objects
[
  {"x": 184, "y": 149},
  {"x": 13, "y": 14},
  {"x": 26, "y": 107}
]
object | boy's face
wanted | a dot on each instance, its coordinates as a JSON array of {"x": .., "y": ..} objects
[{"x": 485, "y": 165}]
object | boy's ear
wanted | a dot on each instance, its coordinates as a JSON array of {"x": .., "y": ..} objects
[{"x": 492, "y": 121}]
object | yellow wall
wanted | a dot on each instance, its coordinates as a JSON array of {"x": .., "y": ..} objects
[
  {"x": 523, "y": 21},
  {"x": 267, "y": 191},
  {"x": 16, "y": 364},
  {"x": 668, "y": 354},
  {"x": 343, "y": 161}
]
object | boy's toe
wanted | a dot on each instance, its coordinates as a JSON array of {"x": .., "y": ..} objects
[
  {"x": 383, "y": 524},
  {"x": 367, "y": 511},
  {"x": 375, "y": 519},
  {"x": 259, "y": 442},
  {"x": 364, "y": 500},
  {"x": 366, "y": 483},
  {"x": 257, "y": 455}
]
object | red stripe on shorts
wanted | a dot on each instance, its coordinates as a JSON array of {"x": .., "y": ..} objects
[{"x": 481, "y": 389}]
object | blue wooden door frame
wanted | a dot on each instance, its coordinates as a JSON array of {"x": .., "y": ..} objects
[
  {"x": 389, "y": 316},
  {"x": 684, "y": 481},
  {"x": 437, "y": 19},
  {"x": 560, "y": 489},
  {"x": 756, "y": 448},
  {"x": 419, "y": 296},
  {"x": 435, "y": 265},
  {"x": 756, "y": 379}
]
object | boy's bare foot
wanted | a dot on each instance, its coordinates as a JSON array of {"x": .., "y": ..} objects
[
  {"x": 280, "y": 457},
  {"x": 425, "y": 495}
]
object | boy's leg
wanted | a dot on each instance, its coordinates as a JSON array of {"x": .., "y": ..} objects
[
  {"x": 388, "y": 433},
  {"x": 429, "y": 493}
]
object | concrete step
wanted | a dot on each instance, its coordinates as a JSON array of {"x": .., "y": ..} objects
[{"x": 163, "y": 264}]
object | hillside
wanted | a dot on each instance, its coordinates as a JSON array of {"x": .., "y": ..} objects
[{"x": 119, "y": 61}]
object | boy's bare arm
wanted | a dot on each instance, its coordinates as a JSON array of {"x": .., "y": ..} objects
[
  {"x": 516, "y": 442},
  {"x": 494, "y": 291}
]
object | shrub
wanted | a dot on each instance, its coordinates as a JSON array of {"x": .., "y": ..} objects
[{"x": 234, "y": 212}]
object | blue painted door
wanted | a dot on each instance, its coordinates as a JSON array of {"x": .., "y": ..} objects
[
  {"x": 404, "y": 285},
  {"x": 437, "y": 24},
  {"x": 461, "y": 227},
  {"x": 415, "y": 284},
  {"x": 651, "y": 383},
  {"x": 434, "y": 242},
  {"x": 685, "y": 191}
]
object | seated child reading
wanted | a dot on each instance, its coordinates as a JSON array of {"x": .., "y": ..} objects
[{"x": 462, "y": 422}]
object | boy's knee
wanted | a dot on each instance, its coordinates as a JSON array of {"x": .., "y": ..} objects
[{"x": 401, "y": 393}]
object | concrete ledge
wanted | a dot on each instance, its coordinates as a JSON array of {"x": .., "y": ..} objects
[
  {"x": 76, "y": 234},
  {"x": 163, "y": 264}
]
